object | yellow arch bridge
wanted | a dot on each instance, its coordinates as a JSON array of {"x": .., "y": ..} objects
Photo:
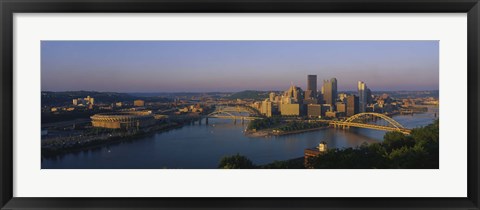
[
  {"x": 360, "y": 121},
  {"x": 233, "y": 112}
]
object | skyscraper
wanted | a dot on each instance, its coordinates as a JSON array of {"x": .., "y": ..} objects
[
  {"x": 294, "y": 93},
  {"x": 352, "y": 105},
  {"x": 311, "y": 91},
  {"x": 266, "y": 108},
  {"x": 362, "y": 96},
  {"x": 334, "y": 89},
  {"x": 330, "y": 91},
  {"x": 327, "y": 91},
  {"x": 272, "y": 96},
  {"x": 321, "y": 96}
]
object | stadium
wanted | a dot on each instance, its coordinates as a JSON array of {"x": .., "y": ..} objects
[{"x": 123, "y": 120}]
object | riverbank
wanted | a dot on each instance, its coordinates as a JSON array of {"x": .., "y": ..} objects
[
  {"x": 260, "y": 133},
  {"x": 54, "y": 147},
  {"x": 208, "y": 144},
  {"x": 274, "y": 132},
  {"x": 282, "y": 133}
]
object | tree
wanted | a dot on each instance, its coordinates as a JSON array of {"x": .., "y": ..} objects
[
  {"x": 235, "y": 162},
  {"x": 428, "y": 133},
  {"x": 409, "y": 157},
  {"x": 259, "y": 124},
  {"x": 396, "y": 140},
  {"x": 418, "y": 150}
]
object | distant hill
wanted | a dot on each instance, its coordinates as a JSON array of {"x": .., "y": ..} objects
[
  {"x": 65, "y": 98},
  {"x": 180, "y": 94},
  {"x": 408, "y": 94},
  {"x": 250, "y": 94},
  {"x": 401, "y": 93}
]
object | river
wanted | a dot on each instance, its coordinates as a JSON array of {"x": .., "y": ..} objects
[{"x": 202, "y": 146}]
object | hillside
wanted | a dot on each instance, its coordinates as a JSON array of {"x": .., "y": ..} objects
[
  {"x": 250, "y": 94},
  {"x": 65, "y": 98}
]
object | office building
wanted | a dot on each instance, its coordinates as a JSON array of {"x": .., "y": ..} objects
[
  {"x": 290, "y": 109},
  {"x": 314, "y": 110},
  {"x": 311, "y": 92},
  {"x": 326, "y": 108},
  {"x": 266, "y": 108},
  {"x": 294, "y": 95},
  {"x": 330, "y": 91},
  {"x": 352, "y": 105},
  {"x": 88, "y": 101},
  {"x": 362, "y": 96},
  {"x": 341, "y": 107},
  {"x": 272, "y": 96}
]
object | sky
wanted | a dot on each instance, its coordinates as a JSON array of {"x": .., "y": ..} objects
[{"x": 230, "y": 66}]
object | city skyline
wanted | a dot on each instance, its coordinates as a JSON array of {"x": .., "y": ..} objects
[{"x": 232, "y": 66}]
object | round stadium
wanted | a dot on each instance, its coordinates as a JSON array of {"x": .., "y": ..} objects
[{"x": 123, "y": 120}]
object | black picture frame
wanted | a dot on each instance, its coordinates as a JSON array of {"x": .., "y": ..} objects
[{"x": 9, "y": 7}]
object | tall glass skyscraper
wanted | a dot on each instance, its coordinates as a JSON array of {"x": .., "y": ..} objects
[
  {"x": 311, "y": 91},
  {"x": 334, "y": 90},
  {"x": 362, "y": 96},
  {"x": 330, "y": 91}
]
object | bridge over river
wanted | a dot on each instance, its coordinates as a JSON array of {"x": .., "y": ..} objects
[
  {"x": 361, "y": 120},
  {"x": 369, "y": 120},
  {"x": 237, "y": 112}
]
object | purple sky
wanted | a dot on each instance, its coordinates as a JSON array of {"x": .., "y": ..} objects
[{"x": 203, "y": 66}]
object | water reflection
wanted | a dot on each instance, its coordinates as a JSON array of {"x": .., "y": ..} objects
[{"x": 202, "y": 146}]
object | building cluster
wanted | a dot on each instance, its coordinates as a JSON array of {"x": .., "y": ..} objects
[
  {"x": 88, "y": 101},
  {"x": 420, "y": 101},
  {"x": 77, "y": 104},
  {"x": 137, "y": 105},
  {"x": 82, "y": 104},
  {"x": 196, "y": 108},
  {"x": 186, "y": 106},
  {"x": 317, "y": 104}
]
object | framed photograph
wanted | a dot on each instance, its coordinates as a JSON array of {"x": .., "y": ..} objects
[{"x": 239, "y": 104}]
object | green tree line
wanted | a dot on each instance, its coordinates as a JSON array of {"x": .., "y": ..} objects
[
  {"x": 420, "y": 149},
  {"x": 259, "y": 124},
  {"x": 296, "y": 125}
]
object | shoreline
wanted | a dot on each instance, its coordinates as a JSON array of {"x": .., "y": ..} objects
[
  {"x": 269, "y": 132},
  {"x": 300, "y": 131},
  {"x": 49, "y": 152}
]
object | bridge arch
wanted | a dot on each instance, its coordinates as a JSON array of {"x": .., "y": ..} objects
[
  {"x": 384, "y": 117},
  {"x": 238, "y": 108},
  {"x": 250, "y": 110},
  {"x": 223, "y": 112}
]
